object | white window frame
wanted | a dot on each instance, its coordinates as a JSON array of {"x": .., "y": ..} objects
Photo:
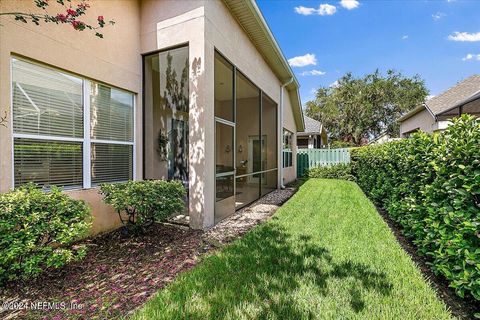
[
  {"x": 289, "y": 151},
  {"x": 86, "y": 140}
]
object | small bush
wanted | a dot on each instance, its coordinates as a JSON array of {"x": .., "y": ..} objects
[
  {"x": 338, "y": 171},
  {"x": 37, "y": 229},
  {"x": 430, "y": 185},
  {"x": 144, "y": 202}
]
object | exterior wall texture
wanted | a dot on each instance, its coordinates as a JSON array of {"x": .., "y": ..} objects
[
  {"x": 421, "y": 121},
  {"x": 142, "y": 26},
  {"x": 114, "y": 60}
]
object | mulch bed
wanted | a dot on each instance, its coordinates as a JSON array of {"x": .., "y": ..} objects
[
  {"x": 461, "y": 308},
  {"x": 120, "y": 273}
]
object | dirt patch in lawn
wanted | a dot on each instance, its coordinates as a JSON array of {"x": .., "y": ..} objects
[
  {"x": 119, "y": 274},
  {"x": 461, "y": 308}
]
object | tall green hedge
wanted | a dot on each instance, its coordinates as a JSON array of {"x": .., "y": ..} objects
[{"x": 430, "y": 185}]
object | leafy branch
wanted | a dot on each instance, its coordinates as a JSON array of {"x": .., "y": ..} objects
[{"x": 70, "y": 16}]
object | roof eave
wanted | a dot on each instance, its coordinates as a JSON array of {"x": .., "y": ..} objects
[{"x": 284, "y": 71}]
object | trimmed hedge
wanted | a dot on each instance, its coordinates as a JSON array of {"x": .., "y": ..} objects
[
  {"x": 37, "y": 230},
  {"x": 338, "y": 171},
  {"x": 430, "y": 185}
]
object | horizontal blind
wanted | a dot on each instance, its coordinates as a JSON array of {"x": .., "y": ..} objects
[
  {"x": 45, "y": 101},
  {"x": 111, "y": 162},
  {"x": 48, "y": 162},
  {"x": 111, "y": 114}
]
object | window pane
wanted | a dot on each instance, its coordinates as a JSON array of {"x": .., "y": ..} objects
[
  {"x": 247, "y": 126},
  {"x": 269, "y": 182},
  {"x": 224, "y": 147},
  {"x": 247, "y": 190},
  {"x": 48, "y": 163},
  {"x": 166, "y": 127},
  {"x": 45, "y": 101},
  {"x": 269, "y": 133},
  {"x": 111, "y": 113},
  {"x": 224, "y": 198},
  {"x": 111, "y": 163},
  {"x": 223, "y": 88}
]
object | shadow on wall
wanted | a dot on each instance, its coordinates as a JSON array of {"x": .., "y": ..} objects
[
  {"x": 197, "y": 163},
  {"x": 265, "y": 272}
]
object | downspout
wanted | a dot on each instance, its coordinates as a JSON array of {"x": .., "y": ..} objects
[{"x": 280, "y": 135}]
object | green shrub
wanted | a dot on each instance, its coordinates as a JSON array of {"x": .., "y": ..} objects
[
  {"x": 430, "y": 185},
  {"x": 338, "y": 171},
  {"x": 144, "y": 202},
  {"x": 37, "y": 230}
]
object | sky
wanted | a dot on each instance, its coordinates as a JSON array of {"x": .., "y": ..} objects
[{"x": 438, "y": 39}]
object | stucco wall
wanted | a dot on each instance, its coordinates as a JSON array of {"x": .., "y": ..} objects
[
  {"x": 422, "y": 121},
  {"x": 114, "y": 60},
  {"x": 222, "y": 32},
  {"x": 290, "y": 173}
]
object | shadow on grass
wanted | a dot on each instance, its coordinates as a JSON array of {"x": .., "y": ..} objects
[{"x": 259, "y": 276}]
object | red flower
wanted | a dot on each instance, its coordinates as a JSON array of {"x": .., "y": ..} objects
[
  {"x": 72, "y": 12},
  {"x": 100, "y": 18},
  {"x": 61, "y": 17},
  {"x": 78, "y": 25},
  {"x": 83, "y": 5}
]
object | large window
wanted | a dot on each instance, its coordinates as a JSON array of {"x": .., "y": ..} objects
[
  {"x": 166, "y": 110},
  {"x": 66, "y": 134},
  {"x": 246, "y": 140}
]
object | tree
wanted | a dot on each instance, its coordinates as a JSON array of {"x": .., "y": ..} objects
[
  {"x": 70, "y": 15},
  {"x": 357, "y": 109}
]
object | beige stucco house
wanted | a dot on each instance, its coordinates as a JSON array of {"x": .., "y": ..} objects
[
  {"x": 435, "y": 114},
  {"x": 197, "y": 91},
  {"x": 314, "y": 136}
]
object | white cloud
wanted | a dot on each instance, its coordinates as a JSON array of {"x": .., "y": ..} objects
[
  {"x": 405, "y": 37},
  {"x": 438, "y": 16},
  {"x": 302, "y": 61},
  {"x": 430, "y": 96},
  {"x": 464, "y": 36},
  {"x": 326, "y": 9},
  {"x": 471, "y": 56},
  {"x": 305, "y": 11},
  {"x": 313, "y": 73},
  {"x": 323, "y": 10},
  {"x": 349, "y": 4},
  {"x": 334, "y": 84}
]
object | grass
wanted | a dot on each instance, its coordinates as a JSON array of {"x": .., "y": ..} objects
[{"x": 326, "y": 254}]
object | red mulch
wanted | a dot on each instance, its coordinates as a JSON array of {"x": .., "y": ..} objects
[{"x": 118, "y": 275}]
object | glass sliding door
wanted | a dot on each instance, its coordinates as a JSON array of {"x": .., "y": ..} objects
[
  {"x": 269, "y": 145},
  {"x": 245, "y": 140},
  {"x": 166, "y": 116},
  {"x": 249, "y": 144},
  {"x": 224, "y": 139}
]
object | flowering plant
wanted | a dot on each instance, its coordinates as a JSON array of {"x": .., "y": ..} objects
[{"x": 71, "y": 15}]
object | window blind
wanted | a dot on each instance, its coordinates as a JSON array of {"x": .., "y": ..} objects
[
  {"x": 111, "y": 163},
  {"x": 111, "y": 114},
  {"x": 46, "y": 102},
  {"x": 48, "y": 162}
]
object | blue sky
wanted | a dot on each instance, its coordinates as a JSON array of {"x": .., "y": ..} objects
[{"x": 439, "y": 40}]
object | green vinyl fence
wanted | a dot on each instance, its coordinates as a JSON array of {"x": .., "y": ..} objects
[{"x": 311, "y": 158}]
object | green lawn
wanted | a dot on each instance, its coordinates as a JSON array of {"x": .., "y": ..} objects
[{"x": 326, "y": 254}]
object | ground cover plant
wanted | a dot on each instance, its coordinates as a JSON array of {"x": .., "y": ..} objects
[
  {"x": 430, "y": 185},
  {"x": 326, "y": 254},
  {"x": 37, "y": 230}
]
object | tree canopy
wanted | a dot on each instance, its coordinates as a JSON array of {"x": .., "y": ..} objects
[{"x": 357, "y": 109}]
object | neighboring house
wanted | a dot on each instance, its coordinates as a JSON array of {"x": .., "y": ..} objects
[
  {"x": 314, "y": 136},
  {"x": 382, "y": 138},
  {"x": 197, "y": 91},
  {"x": 435, "y": 114}
]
